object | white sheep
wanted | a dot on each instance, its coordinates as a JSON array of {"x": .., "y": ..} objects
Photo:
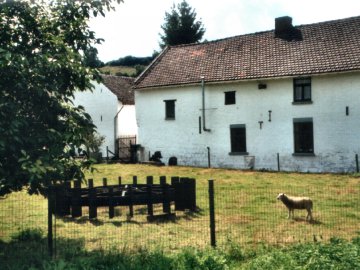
[{"x": 296, "y": 203}]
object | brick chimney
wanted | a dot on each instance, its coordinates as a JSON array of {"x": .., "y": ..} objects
[
  {"x": 285, "y": 30},
  {"x": 283, "y": 27}
]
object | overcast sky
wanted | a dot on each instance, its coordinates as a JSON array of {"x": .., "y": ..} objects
[{"x": 133, "y": 29}]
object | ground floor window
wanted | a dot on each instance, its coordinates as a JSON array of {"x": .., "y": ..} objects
[
  {"x": 303, "y": 136},
  {"x": 238, "y": 139},
  {"x": 170, "y": 109}
]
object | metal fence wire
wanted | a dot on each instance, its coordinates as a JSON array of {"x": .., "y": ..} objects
[{"x": 224, "y": 212}]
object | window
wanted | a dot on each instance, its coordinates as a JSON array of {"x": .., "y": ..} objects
[
  {"x": 303, "y": 136},
  {"x": 238, "y": 139},
  {"x": 170, "y": 109},
  {"x": 302, "y": 90},
  {"x": 230, "y": 98}
]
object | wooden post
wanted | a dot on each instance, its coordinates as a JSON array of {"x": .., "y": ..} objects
[
  {"x": 105, "y": 182},
  {"x": 165, "y": 195},
  {"x": 131, "y": 207},
  {"x": 50, "y": 221},
  {"x": 174, "y": 180},
  {"x": 111, "y": 203},
  {"x": 149, "y": 198},
  {"x": 357, "y": 162},
  {"x": 190, "y": 193},
  {"x": 212, "y": 213},
  {"x": 67, "y": 200},
  {"x": 180, "y": 196},
  {"x": 92, "y": 199},
  {"x": 149, "y": 180},
  {"x": 76, "y": 200},
  {"x": 278, "y": 161},
  {"x": 119, "y": 180},
  {"x": 134, "y": 180}
]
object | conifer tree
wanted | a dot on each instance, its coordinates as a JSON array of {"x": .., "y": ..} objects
[{"x": 181, "y": 26}]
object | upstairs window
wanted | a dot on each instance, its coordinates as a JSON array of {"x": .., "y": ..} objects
[
  {"x": 302, "y": 90},
  {"x": 238, "y": 139},
  {"x": 170, "y": 109},
  {"x": 303, "y": 136},
  {"x": 230, "y": 98}
]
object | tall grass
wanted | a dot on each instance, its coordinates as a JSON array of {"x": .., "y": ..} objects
[{"x": 23, "y": 253}]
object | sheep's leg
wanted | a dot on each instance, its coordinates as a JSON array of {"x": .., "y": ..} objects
[
  {"x": 291, "y": 213},
  {"x": 309, "y": 215}
]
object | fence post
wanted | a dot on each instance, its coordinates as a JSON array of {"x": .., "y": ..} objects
[
  {"x": 278, "y": 162},
  {"x": 165, "y": 194},
  {"x": 111, "y": 203},
  {"x": 50, "y": 221},
  {"x": 105, "y": 182},
  {"x": 131, "y": 207},
  {"x": 357, "y": 162},
  {"x": 212, "y": 213},
  {"x": 76, "y": 200},
  {"x": 134, "y": 180},
  {"x": 92, "y": 199},
  {"x": 119, "y": 180},
  {"x": 149, "y": 182}
]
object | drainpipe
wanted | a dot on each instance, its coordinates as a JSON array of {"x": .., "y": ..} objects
[{"x": 203, "y": 104}]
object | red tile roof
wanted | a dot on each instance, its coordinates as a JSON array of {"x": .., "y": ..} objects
[
  {"x": 121, "y": 87},
  {"x": 332, "y": 46}
]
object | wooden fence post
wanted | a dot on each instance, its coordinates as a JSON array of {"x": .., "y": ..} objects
[
  {"x": 134, "y": 180},
  {"x": 76, "y": 200},
  {"x": 278, "y": 162},
  {"x": 131, "y": 207},
  {"x": 50, "y": 220},
  {"x": 92, "y": 200},
  {"x": 111, "y": 203},
  {"x": 165, "y": 195},
  {"x": 119, "y": 180},
  {"x": 357, "y": 162},
  {"x": 191, "y": 194},
  {"x": 212, "y": 213},
  {"x": 149, "y": 182},
  {"x": 105, "y": 182}
]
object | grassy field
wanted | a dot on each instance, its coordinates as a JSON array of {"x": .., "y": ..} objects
[
  {"x": 247, "y": 211},
  {"x": 113, "y": 70}
]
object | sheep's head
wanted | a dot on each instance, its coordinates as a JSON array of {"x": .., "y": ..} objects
[{"x": 280, "y": 196}]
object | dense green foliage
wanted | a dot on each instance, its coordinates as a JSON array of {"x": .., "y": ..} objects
[
  {"x": 27, "y": 250},
  {"x": 181, "y": 27},
  {"x": 129, "y": 61},
  {"x": 91, "y": 58},
  {"x": 41, "y": 66}
]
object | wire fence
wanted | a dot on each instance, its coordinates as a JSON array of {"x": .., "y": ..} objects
[{"x": 242, "y": 214}]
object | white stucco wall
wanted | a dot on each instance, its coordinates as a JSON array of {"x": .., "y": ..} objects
[
  {"x": 336, "y": 136},
  {"x": 126, "y": 120},
  {"x": 102, "y": 105}
]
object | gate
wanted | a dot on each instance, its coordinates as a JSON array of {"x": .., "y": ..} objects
[{"x": 124, "y": 147}]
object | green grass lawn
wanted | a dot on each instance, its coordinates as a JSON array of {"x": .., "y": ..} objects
[{"x": 247, "y": 211}]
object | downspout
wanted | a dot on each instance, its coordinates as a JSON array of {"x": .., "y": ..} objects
[
  {"x": 203, "y": 104},
  {"x": 115, "y": 126}
]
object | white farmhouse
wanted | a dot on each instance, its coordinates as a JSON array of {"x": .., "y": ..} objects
[
  {"x": 111, "y": 107},
  {"x": 285, "y": 99}
]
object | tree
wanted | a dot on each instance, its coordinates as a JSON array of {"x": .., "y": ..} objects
[
  {"x": 42, "y": 44},
  {"x": 181, "y": 27},
  {"x": 91, "y": 59}
]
